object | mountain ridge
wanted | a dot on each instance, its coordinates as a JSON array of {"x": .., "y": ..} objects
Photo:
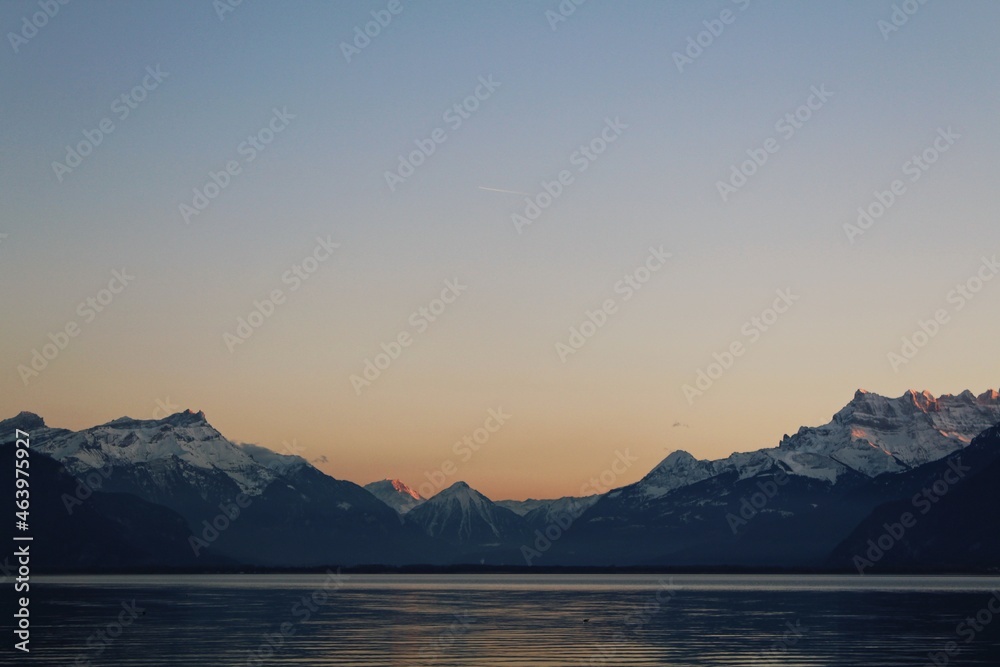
[
  {"x": 395, "y": 494},
  {"x": 821, "y": 483}
]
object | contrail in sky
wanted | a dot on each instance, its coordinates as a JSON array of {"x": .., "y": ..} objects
[{"x": 510, "y": 192}]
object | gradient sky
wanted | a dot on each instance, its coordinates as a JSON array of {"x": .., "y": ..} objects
[{"x": 160, "y": 341}]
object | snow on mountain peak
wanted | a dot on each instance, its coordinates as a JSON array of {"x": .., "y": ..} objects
[
  {"x": 871, "y": 435},
  {"x": 279, "y": 463},
  {"x": 186, "y": 436},
  {"x": 461, "y": 512},
  {"x": 924, "y": 400},
  {"x": 404, "y": 489},
  {"x": 461, "y": 492},
  {"x": 24, "y": 420},
  {"x": 187, "y": 417},
  {"x": 678, "y": 462},
  {"x": 396, "y": 494},
  {"x": 679, "y": 469}
]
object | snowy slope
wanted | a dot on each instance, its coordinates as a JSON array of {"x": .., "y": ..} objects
[
  {"x": 872, "y": 435},
  {"x": 522, "y": 507},
  {"x": 681, "y": 469},
  {"x": 296, "y": 514},
  {"x": 541, "y": 513},
  {"x": 280, "y": 464},
  {"x": 32, "y": 424},
  {"x": 180, "y": 441},
  {"x": 395, "y": 494},
  {"x": 462, "y": 514}
]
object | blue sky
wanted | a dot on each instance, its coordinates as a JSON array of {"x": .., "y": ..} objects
[{"x": 656, "y": 184}]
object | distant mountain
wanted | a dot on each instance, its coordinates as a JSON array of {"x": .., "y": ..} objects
[
  {"x": 290, "y": 513},
  {"x": 522, "y": 507},
  {"x": 74, "y": 526},
  {"x": 541, "y": 513},
  {"x": 395, "y": 494},
  {"x": 309, "y": 518},
  {"x": 470, "y": 522},
  {"x": 181, "y": 461},
  {"x": 186, "y": 436},
  {"x": 872, "y": 435},
  {"x": 693, "y": 512},
  {"x": 814, "y": 500}
]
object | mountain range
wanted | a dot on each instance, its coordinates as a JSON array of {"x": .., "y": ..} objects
[{"x": 175, "y": 492}]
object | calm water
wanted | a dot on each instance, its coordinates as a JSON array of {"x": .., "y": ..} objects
[{"x": 511, "y": 620}]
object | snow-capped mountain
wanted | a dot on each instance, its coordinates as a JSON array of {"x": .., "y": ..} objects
[
  {"x": 787, "y": 505},
  {"x": 292, "y": 513},
  {"x": 872, "y": 435},
  {"x": 681, "y": 469},
  {"x": 149, "y": 481},
  {"x": 542, "y": 513},
  {"x": 107, "y": 530},
  {"x": 185, "y": 437},
  {"x": 522, "y": 507},
  {"x": 462, "y": 515},
  {"x": 280, "y": 464},
  {"x": 395, "y": 494}
]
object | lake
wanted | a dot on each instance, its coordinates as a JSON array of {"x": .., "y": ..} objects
[{"x": 506, "y": 620}]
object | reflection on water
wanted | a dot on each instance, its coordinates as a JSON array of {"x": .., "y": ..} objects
[{"x": 506, "y": 620}]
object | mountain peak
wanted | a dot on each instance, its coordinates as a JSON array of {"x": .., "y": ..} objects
[
  {"x": 459, "y": 487},
  {"x": 462, "y": 492},
  {"x": 460, "y": 513},
  {"x": 875, "y": 434},
  {"x": 181, "y": 442},
  {"x": 864, "y": 400},
  {"x": 396, "y": 494},
  {"x": 679, "y": 469},
  {"x": 871, "y": 435},
  {"x": 401, "y": 487},
  {"x": 187, "y": 417},
  {"x": 678, "y": 456},
  {"x": 875, "y": 405},
  {"x": 677, "y": 460},
  {"x": 924, "y": 400},
  {"x": 863, "y": 396},
  {"x": 24, "y": 420}
]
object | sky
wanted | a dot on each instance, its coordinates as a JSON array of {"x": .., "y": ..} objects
[{"x": 632, "y": 227}]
